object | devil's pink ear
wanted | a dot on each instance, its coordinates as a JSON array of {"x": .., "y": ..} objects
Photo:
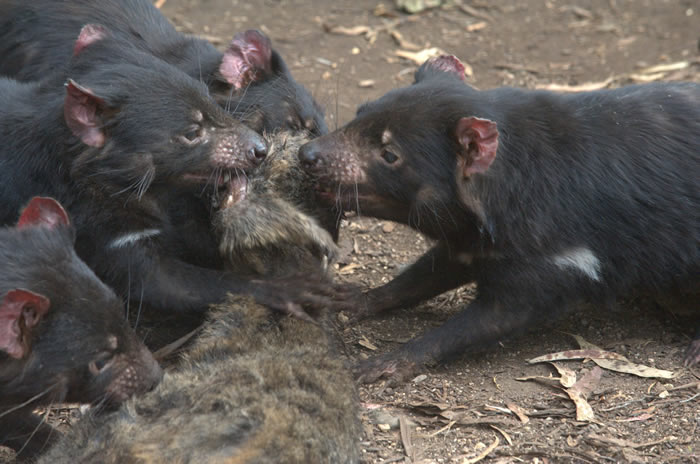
[
  {"x": 89, "y": 34},
  {"x": 20, "y": 311},
  {"x": 478, "y": 139},
  {"x": 44, "y": 212},
  {"x": 446, "y": 63},
  {"x": 247, "y": 59},
  {"x": 81, "y": 110}
]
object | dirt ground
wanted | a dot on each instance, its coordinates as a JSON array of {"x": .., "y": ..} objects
[{"x": 465, "y": 411}]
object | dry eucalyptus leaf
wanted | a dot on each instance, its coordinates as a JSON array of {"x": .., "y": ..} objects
[
  {"x": 622, "y": 364},
  {"x": 568, "y": 377},
  {"x": 352, "y": 31},
  {"x": 421, "y": 56},
  {"x": 584, "y": 411}
]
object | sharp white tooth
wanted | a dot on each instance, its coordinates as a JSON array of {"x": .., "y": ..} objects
[
  {"x": 229, "y": 201},
  {"x": 227, "y": 177}
]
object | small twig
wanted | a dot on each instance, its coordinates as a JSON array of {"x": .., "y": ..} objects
[
  {"x": 690, "y": 399},
  {"x": 623, "y": 405},
  {"x": 439, "y": 431},
  {"x": 687, "y": 385},
  {"x": 471, "y": 11}
]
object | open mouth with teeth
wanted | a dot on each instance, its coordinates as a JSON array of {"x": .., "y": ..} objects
[
  {"x": 230, "y": 187},
  {"x": 236, "y": 191}
]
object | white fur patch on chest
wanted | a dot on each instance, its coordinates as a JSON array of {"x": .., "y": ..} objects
[
  {"x": 132, "y": 237},
  {"x": 582, "y": 259}
]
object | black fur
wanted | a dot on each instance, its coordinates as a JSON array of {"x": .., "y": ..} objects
[
  {"x": 83, "y": 316},
  {"x": 119, "y": 189},
  {"x": 36, "y": 38},
  {"x": 606, "y": 178}
]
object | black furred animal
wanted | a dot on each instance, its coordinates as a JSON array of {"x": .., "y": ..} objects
[
  {"x": 249, "y": 390},
  {"x": 63, "y": 336},
  {"x": 250, "y": 79},
  {"x": 126, "y": 129},
  {"x": 543, "y": 199}
]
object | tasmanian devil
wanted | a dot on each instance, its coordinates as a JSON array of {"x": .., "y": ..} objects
[
  {"x": 250, "y": 79},
  {"x": 543, "y": 199},
  {"x": 63, "y": 336},
  {"x": 126, "y": 129},
  {"x": 249, "y": 390}
]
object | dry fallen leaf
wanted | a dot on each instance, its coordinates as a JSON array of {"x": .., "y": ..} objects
[
  {"x": 552, "y": 381},
  {"x": 420, "y": 57},
  {"x": 568, "y": 377},
  {"x": 653, "y": 73},
  {"x": 586, "y": 87},
  {"x": 367, "y": 344},
  {"x": 474, "y": 27},
  {"x": 662, "y": 68},
  {"x": 352, "y": 31},
  {"x": 503, "y": 432},
  {"x": 483, "y": 454},
  {"x": 589, "y": 381},
  {"x": 349, "y": 269},
  {"x": 584, "y": 412},
  {"x": 569, "y": 355},
  {"x": 406, "y": 440},
  {"x": 401, "y": 42},
  {"x": 624, "y": 365},
  {"x": 518, "y": 411}
]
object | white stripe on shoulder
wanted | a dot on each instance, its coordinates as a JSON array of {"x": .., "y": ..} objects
[
  {"x": 132, "y": 237},
  {"x": 582, "y": 259}
]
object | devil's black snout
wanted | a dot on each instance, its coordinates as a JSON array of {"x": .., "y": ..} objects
[
  {"x": 257, "y": 150},
  {"x": 309, "y": 154}
]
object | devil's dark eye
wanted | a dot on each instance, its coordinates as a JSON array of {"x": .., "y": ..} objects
[
  {"x": 102, "y": 361},
  {"x": 193, "y": 135},
  {"x": 389, "y": 157}
]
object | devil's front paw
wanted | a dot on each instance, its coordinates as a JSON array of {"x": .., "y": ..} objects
[{"x": 303, "y": 296}]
